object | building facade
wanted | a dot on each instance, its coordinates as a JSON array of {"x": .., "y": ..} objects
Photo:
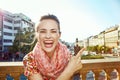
[
  {"x": 10, "y": 25},
  {"x": 109, "y": 37}
]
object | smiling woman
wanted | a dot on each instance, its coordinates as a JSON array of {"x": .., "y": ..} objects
[{"x": 50, "y": 59}]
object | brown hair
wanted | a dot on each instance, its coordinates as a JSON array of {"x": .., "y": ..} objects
[{"x": 50, "y": 16}]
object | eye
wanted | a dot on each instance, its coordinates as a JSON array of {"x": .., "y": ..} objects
[
  {"x": 42, "y": 31},
  {"x": 54, "y": 31}
]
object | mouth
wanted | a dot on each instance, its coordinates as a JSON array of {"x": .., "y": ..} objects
[{"x": 48, "y": 43}]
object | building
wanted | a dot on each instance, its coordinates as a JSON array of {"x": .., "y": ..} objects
[
  {"x": 110, "y": 37},
  {"x": 10, "y": 24}
]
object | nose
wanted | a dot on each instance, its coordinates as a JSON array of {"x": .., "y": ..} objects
[{"x": 48, "y": 35}]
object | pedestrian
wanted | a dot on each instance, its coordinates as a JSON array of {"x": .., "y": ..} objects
[
  {"x": 50, "y": 59},
  {"x": 76, "y": 47}
]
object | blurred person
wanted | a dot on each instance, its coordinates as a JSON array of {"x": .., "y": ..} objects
[
  {"x": 50, "y": 59},
  {"x": 76, "y": 47}
]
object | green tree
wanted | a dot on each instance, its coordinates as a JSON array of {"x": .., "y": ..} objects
[{"x": 22, "y": 42}]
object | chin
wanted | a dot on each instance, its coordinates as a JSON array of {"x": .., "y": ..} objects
[{"x": 49, "y": 50}]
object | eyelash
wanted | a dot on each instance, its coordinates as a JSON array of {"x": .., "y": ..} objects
[
  {"x": 45, "y": 31},
  {"x": 42, "y": 31}
]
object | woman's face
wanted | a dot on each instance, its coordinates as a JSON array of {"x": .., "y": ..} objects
[{"x": 48, "y": 35}]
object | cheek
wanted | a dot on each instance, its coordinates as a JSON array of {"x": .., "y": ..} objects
[
  {"x": 58, "y": 37},
  {"x": 39, "y": 38},
  {"x": 56, "y": 40}
]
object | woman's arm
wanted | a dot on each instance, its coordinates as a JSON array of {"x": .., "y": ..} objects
[
  {"x": 73, "y": 66},
  {"x": 30, "y": 68}
]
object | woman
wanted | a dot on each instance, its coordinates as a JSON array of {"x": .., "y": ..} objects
[{"x": 50, "y": 59}]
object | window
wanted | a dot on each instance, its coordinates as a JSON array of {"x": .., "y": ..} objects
[
  {"x": 6, "y": 33},
  {"x": 16, "y": 28},
  {"x": 0, "y": 48},
  {"x": 7, "y": 40},
  {"x": 16, "y": 22},
  {"x": 8, "y": 20},
  {"x": 7, "y": 27}
]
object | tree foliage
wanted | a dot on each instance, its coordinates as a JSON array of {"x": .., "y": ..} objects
[
  {"x": 22, "y": 42},
  {"x": 98, "y": 49}
]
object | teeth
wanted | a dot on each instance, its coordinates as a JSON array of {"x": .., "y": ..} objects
[{"x": 48, "y": 45}]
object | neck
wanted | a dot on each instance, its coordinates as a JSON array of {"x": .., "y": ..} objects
[{"x": 50, "y": 55}]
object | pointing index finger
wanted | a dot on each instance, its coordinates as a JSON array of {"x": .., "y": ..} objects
[{"x": 80, "y": 52}]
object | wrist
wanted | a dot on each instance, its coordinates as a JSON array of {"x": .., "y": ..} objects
[
  {"x": 65, "y": 75},
  {"x": 69, "y": 72}
]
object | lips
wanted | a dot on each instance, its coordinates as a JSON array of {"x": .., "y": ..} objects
[{"x": 48, "y": 43}]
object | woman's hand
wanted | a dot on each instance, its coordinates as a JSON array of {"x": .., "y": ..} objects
[
  {"x": 35, "y": 76},
  {"x": 75, "y": 64},
  {"x": 73, "y": 67}
]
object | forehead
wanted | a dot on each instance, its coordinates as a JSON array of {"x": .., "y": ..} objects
[{"x": 48, "y": 24}]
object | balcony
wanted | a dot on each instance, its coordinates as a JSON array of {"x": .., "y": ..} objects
[{"x": 96, "y": 69}]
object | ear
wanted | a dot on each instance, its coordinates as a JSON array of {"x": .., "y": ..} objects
[{"x": 59, "y": 34}]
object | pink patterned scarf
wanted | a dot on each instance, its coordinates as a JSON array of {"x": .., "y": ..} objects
[{"x": 51, "y": 68}]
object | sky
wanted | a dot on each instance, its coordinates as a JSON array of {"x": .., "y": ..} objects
[{"x": 78, "y": 18}]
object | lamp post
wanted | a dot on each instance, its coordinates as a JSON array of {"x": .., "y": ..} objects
[
  {"x": 104, "y": 43},
  {"x": 20, "y": 30},
  {"x": 19, "y": 39}
]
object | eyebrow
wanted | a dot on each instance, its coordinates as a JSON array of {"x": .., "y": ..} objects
[
  {"x": 54, "y": 29},
  {"x": 42, "y": 29},
  {"x": 50, "y": 29}
]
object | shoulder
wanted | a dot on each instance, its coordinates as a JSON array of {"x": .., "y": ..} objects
[
  {"x": 29, "y": 64},
  {"x": 28, "y": 57}
]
